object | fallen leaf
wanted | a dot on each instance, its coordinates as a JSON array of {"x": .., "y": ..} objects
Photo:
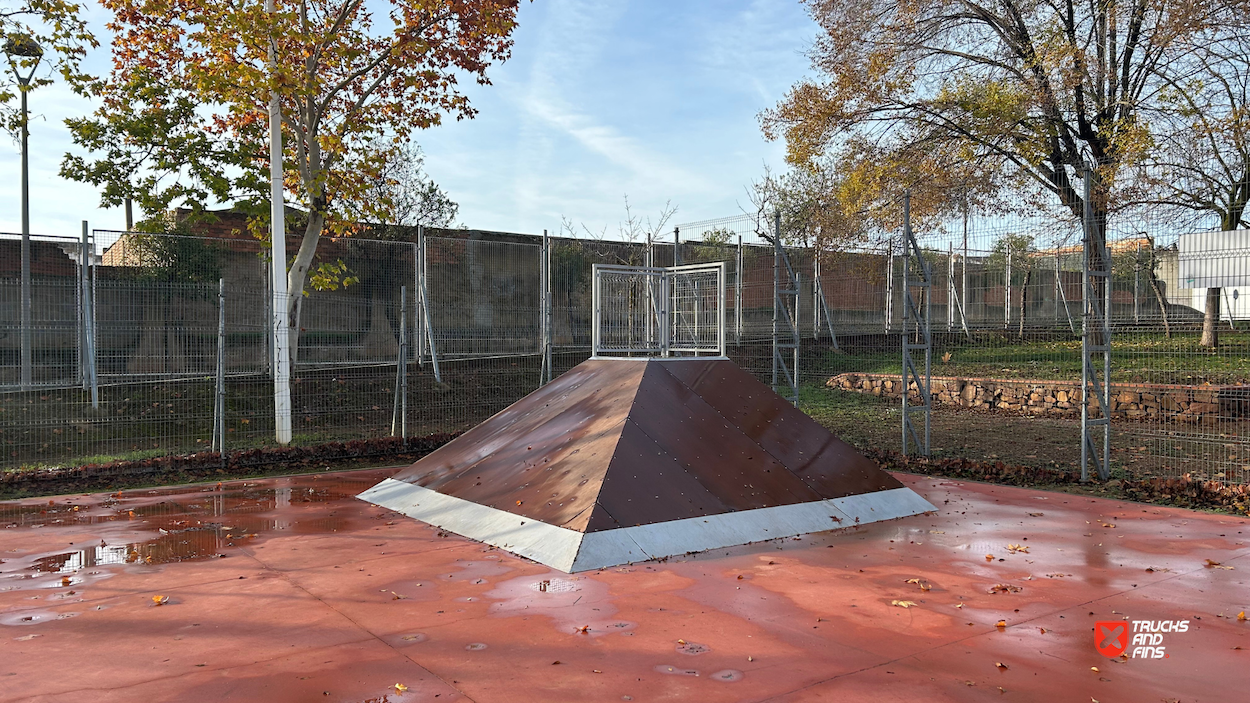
[
  {"x": 902, "y": 603},
  {"x": 400, "y": 687},
  {"x": 1013, "y": 548},
  {"x": 159, "y": 600},
  {"x": 1000, "y": 624},
  {"x": 1036, "y": 514},
  {"x": 959, "y": 605},
  {"x": 925, "y": 587},
  {"x": 27, "y": 638},
  {"x": 681, "y": 641},
  {"x": 1241, "y": 617},
  {"x": 584, "y": 629},
  {"x": 1042, "y": 629},
  {"x": 556, "y": 662},
  {"x": 989, "y": 557},
  {"x": 1093, "y": 668},
  {"x": 1001, "y": 666},
  {"x": 750, "y": 659},
  {"x": 1003, "y": 588},
  {"x": 912, "y": 581},
  {"x": 596, "y": 671},
  {"x": 1216, "y": 565},
  {"x": 739, "y": 577}
]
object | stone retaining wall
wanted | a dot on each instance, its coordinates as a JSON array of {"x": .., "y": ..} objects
[{"x": 1142, "y": 401}]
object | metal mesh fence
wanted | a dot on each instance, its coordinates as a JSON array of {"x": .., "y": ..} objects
[
  {"x": 659, "y": 311},
  {"x": 125, "y": 350},
  {"x": 630, "y": 311}
]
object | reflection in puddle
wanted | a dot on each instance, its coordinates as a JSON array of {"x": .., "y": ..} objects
[{"x": 139, "y": 528}]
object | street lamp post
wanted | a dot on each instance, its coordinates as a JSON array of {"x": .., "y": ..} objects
[{"x": 24, "y": 52}]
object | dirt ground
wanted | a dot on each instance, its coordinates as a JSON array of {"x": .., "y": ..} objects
[{"x": 1138, "y": 450}]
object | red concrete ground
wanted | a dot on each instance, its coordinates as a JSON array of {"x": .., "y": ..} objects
[{"x": 289, "y": 589}]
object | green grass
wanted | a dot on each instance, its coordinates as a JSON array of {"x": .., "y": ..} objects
[{"x": 1136, "y": 358}]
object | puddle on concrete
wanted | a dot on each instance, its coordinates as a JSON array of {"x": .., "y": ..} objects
[
  {"x": 136, "y": 529},
  {"x": 693, "y": 648},
  {"x": 576, "y": 604}
]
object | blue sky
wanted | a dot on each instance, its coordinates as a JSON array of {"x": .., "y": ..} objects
[{"x": 601, "y": 99}]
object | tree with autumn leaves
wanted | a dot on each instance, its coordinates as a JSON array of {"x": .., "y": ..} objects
[
  {"x": 58, "y": 33},
  {"x": 1200, "y": 160},
  {"x": 187, "y": 100},
  {"x": 1011, "y": 103}
]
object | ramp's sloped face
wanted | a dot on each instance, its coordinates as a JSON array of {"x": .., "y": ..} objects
[
  {"x": 543, "y": 457},
  {"x": 831, "y": 467},
  {"x": 626, "y": 460}
]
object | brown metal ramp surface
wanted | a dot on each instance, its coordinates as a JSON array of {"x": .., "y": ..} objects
[{"x": 633, "y": 445}]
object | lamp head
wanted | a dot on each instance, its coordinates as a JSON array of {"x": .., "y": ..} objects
[{"x": 22, "y": 45}]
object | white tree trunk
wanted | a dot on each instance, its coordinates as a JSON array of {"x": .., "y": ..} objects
[
  {"x": 1211, "y": 320},
  {"x": 297, "y": 276}
]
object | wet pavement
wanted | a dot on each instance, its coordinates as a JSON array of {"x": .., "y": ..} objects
[{"x": 290, "y": 589}]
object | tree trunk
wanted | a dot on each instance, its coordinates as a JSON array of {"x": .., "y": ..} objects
[
  {"x": 1211, "y": 320},
  {"x": 1154, "y": 285},
  {"x": 297, "y": 276},
  {"x": 1163, "y": 307},
  {"x": 1024, "y": 299}
]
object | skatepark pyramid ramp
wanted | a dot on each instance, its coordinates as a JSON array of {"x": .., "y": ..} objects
[{"x": 625, "y": 460}]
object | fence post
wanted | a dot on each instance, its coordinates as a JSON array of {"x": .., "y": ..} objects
[
  {"x": 544, "y": 312},
  {"x": 423, "y": 293},
  {"x": 776, "y": 304},
  {"x": 720, "y": 308},
  {"x": 964, "y": 303},
  {"x": 652, "y": 312},
  {"x": 89, "y": 368},
  {"x": 548, "y": 314},
  {"x": 677, "y": 246},
  {"x": 81, "y": 310},
  {"x": 419, "y": 352},
  {"x": 596, "y": 315},
  {"x": 219, "y": 394},
  {"x": 1007, "y": 291},
  {"x": 889, "y": 284},
  {"x": 738, "y": 293},
  {"x": 399, "y": 413},
  {"x": 1137, "y": 285},
  {"x": 1095, "y": 339},
  {"x": 950, "y": 287},
  {"x": 816, "y": 292},
  {"x": 913, "y": 312}
]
